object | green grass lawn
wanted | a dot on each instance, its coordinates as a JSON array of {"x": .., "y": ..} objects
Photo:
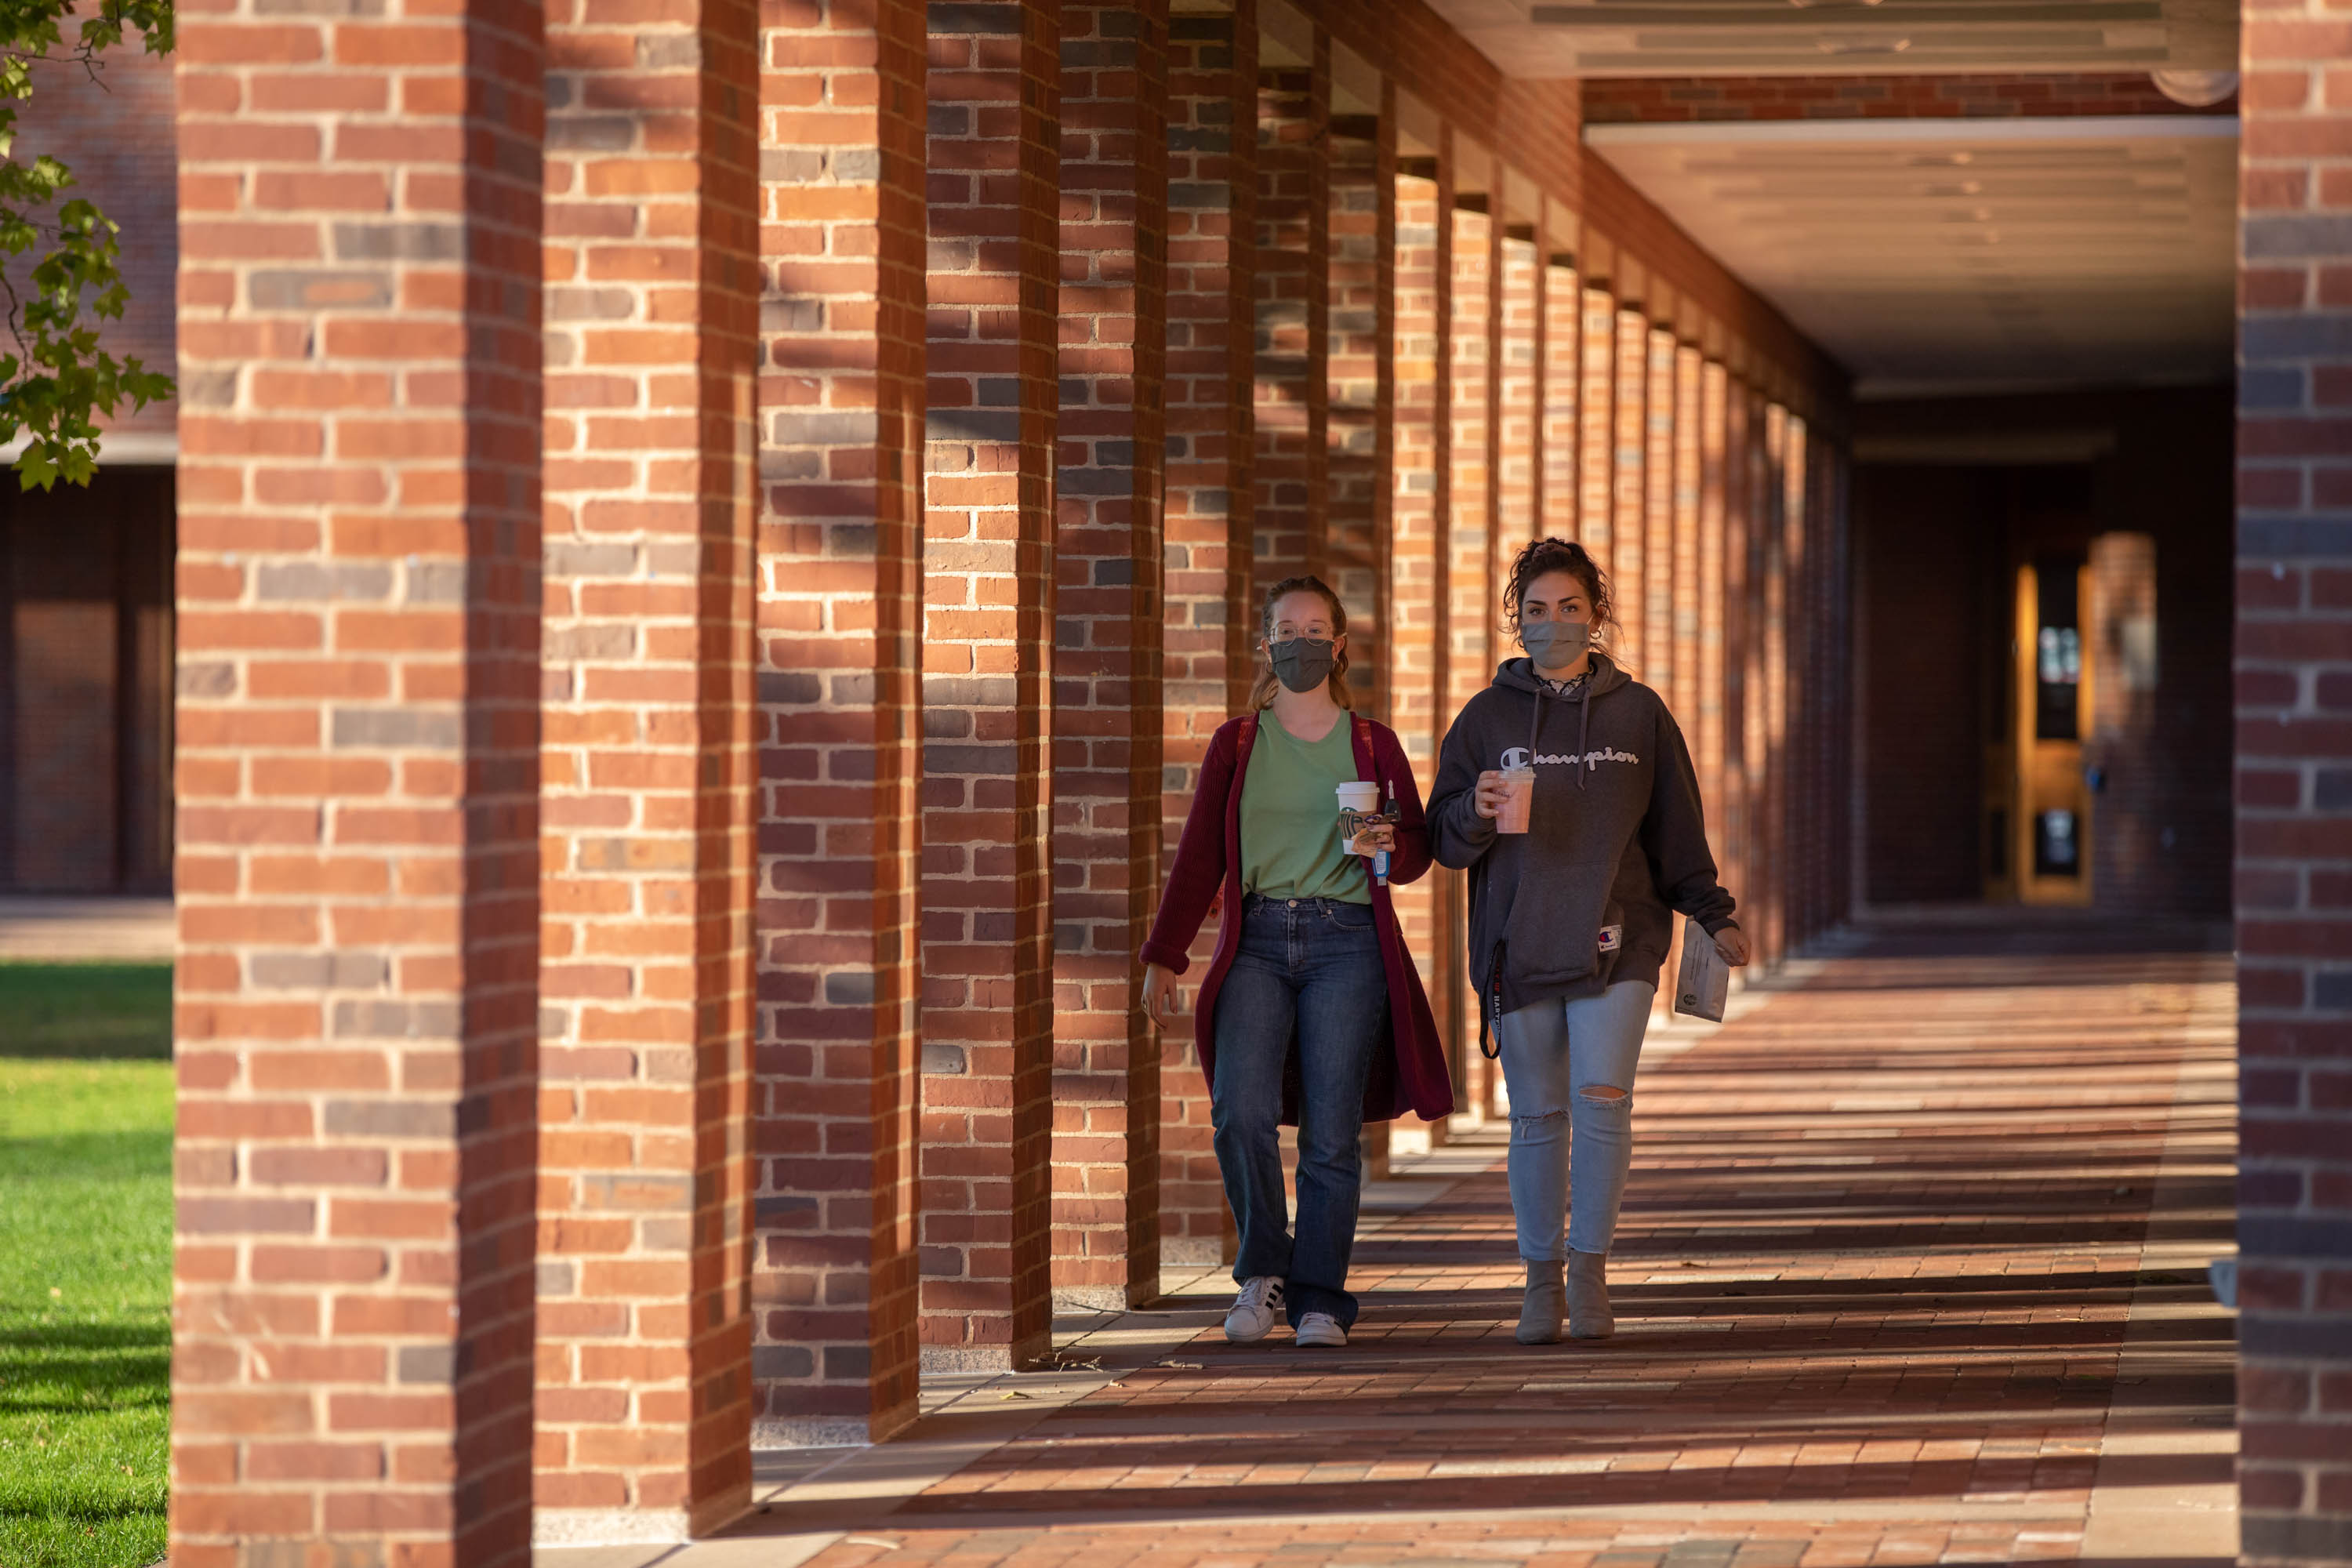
[{"x": 85, "y": 1263}]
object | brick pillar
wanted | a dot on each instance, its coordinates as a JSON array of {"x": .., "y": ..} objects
[
  {"x": 1359, "y": 383},
  {"x": 1292, "y": 282},
  {"x": 1657, "y": 581},
  {"x": 1797, "y": 692},
  {"x": 1687, "y": 583},
  {"x": 358, "y": 786},
  {"x": 988, "y": 1002},
  {"x": 840, "y": 609},
  {"x": 1563, "y": 310},
  {"x": 1742, "y": 749},
  {"x": 1518, "y": 425},
  {"x": 1206, "y": 661},
  {"x": 1416, "y": 645},
  {"x": 1773, "y": 864},
  {"x": 1627, "y": 561},
  {"x": 1715, "y": 656},
  {"x": 1107, "y": 659},
  {"x": 1596, "y": 426},
  {"x": 1472, "y": 602},
  {"x": 644, "y": 1335}
]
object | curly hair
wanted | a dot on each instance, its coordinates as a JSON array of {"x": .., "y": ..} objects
[
  {"x": 1262, "y": 693},
  {"x": 1542, "y": 555}
]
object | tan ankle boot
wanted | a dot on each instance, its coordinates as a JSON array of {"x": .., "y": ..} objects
[
  {"x": 1545, "y": 1305},
  {"x": 1589, "y": 1317}
]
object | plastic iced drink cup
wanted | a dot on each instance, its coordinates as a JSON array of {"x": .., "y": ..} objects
[
  {"x": 1517, "y": 807},
  {"x": 1362, "y": 800}
]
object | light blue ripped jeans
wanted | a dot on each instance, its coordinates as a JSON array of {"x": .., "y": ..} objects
[{"x": 1551, "y": 1052}]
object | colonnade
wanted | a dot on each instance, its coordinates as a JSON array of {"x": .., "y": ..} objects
[{"x": 713, "y": 538}]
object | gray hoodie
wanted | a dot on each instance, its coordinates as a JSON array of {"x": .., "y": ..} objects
[{"x": 1616, "y": 841}]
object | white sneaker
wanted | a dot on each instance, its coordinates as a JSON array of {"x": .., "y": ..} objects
[
  {"x": 1320, "y": 1330},
  {"x": 1255, "y": 1311}
]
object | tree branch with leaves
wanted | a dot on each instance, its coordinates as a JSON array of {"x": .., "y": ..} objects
[{"x": 57, "y": 378}]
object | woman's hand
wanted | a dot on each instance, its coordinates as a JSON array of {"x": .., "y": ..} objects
[
  {"x": 1159, "y": 995},
  {"x": 1491, "y": 796},
  {"x": 1732, "y": 943},
  {"x": 1378, "y": 839}
]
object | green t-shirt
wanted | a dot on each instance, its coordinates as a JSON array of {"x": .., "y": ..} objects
[{"x": 1290, "y": 816}]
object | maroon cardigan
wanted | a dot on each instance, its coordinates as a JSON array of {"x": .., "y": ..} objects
[{"x": 1409, "y": 1073}]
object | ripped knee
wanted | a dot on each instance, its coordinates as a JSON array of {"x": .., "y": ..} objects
[{"x": 1601, "y": 1094}]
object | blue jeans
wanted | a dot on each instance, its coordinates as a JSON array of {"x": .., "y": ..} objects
[
  {"x": 1553, "y": 1052},
  {"x": 1308, "y": 971}
]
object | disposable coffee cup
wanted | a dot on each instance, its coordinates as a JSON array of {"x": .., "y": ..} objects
[
  {"x": 1519, "y": 803},
  {"x": 1357, "y": 800}
]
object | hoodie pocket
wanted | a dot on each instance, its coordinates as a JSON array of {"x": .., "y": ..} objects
[{"x": 1552, "y": 931}]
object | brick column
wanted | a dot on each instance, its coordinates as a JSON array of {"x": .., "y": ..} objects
[
  {"x": 1518, "y": 423},
  {"x": 1471, "y": 600},
  {"x": 1205, "y": 670},
  {"x": 987, "y": 1004},
  {"x": 1773, "y": 864},
  {"x": 358, "y": 786},
  {"x": 1416, "y": 643},
  {"x": 1686, "y": 582},
  {"x": 840, "y": 609},
  {"x": 1360, "y": 386},
  {"x": 644, "y": 1184},
  {"x": 1716, "y": 536},
  {"x": 1107, "y": 659},
  {"x": 1292, "y": 282},
  {"x": 1627, "y": 561},
  {"x": 1558, "y": 375},
  {"x": 1596, "y": 426},
  {"x": 1795, "y": 705},
  {"x": 1658, "y": 516},
  {"x": 1742, "y": 748}
]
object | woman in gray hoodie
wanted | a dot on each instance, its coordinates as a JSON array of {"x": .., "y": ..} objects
[{"x": 1571, "y": 915}]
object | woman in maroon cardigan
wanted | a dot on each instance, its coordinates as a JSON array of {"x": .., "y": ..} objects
[{"x": 1311, "y": 1011}]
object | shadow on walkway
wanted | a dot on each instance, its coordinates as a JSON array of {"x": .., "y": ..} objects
[{"x": 1912, "y": 1271}]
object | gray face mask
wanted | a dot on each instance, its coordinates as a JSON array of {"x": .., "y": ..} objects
[
  {"x": 1302, "y": 664},
  {"x": 1556, "y": 645}
]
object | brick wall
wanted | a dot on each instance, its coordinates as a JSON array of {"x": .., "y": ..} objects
[
  {"x": 840, "y": 398},
  {"x": 358, "y": 785},
  {"x": 988, "y": 537},
  {"x": 1107, "y": 718},
  {"x": 1643, "y": 99},
  {"x": 1360, "y": 288},
  {"x": 2295, "y": 583}
]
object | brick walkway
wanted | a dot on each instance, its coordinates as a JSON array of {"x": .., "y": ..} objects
[{"x": 1911, "y": 1272}]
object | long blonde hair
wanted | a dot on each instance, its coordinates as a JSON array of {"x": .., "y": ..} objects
[{"x": 1262, "y": 693}]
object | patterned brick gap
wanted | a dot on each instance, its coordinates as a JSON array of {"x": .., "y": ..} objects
[
  {"x": 1292, "y": 281},
  {"x": 841, "y": 399},
  {"x": 2057, "y": 94},
  {"x": 1362, "y": 178},
  {"x": 994, "y": 162},
  {"x": 358, "y": 786},
  {"x": 1210, "y": 502},
  {"x": 2294, "y": 792},
  {"x": 1416, "y": 641},
  {"x": 645, "y": 1200},
  {"x": 1107, "y": 724}
]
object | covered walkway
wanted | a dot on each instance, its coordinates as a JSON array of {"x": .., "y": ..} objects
[{"x": 1913, "y": 1272}]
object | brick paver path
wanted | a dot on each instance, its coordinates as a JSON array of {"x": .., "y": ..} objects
[{"x": 1912, "y": 1259}]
